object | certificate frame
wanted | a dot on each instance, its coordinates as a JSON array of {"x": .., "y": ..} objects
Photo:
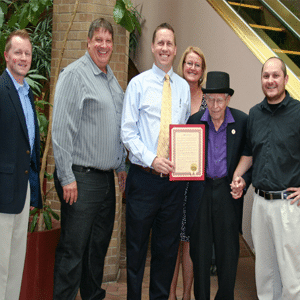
[{"x": 189, "y": 156}]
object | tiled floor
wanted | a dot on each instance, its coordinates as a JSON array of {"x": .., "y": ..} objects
[{"x": 245, "y": 282}]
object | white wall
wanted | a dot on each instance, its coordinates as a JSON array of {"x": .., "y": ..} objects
[{"x": 196, "y": 23}]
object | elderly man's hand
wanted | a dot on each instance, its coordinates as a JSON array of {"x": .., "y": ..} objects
[
  {"x": 237, "y": 187},
  {"x": 295, "y": 196}
]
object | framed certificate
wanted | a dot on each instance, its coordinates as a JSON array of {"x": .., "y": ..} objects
[{"x": 187, "y": 151}]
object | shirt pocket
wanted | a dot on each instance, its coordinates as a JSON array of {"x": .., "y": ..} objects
[{"x": 179, "y": 109}]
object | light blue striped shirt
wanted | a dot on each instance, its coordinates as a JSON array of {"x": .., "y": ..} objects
[
  {"x": 23, "y": 92},
  {"x": 87, "y": 119},
  {"x": 142, "y": 108}
]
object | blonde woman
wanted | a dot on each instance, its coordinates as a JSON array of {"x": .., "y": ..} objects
[{"x": 192, "y": 67}]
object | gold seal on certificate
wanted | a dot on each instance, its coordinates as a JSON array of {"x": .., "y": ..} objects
[
  {"x": 193, "y": 168},
  {"x": 187, "y": 144}
]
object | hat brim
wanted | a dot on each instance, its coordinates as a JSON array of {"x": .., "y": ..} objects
[{"x": 218, "y": 91}]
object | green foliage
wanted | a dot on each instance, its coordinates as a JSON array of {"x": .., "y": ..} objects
[
  {"x": 41, "y": 38},
  {"x": 23, "y": 12},
  {"x": 128, "y": 17},
  {"x": 33, "y": 79},
  {"x": 36, "y": 17},
  {"x": 43, "y": 125},
  {"x": 48, "y": 213}
]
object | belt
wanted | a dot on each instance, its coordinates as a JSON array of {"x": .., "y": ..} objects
[
  {"x": 82, "y": 169},
  {"x": 215, "y": 179},
  {"x": 273, "y": 195},
  {"x": 152, "y": 171}
]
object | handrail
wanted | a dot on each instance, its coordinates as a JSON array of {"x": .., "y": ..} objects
[
  {"x": 282, "y": 13},
  {"x": 256, "y": 45}
]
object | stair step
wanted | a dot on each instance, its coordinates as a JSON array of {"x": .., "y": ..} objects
[
  {"x": 246, "y": 5},
  {"x": 286, "y": 51},
  {"x": 267, "y": 27}
]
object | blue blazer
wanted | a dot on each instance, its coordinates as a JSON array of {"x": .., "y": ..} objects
[
  {"x": 17, "y": 165},
  {"x": 236, "y": 140}
]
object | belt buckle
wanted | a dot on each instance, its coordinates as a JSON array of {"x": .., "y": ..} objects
[{"x": 267, "y": 195}]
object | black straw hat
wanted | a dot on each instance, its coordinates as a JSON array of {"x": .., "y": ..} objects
[{"x": 217, "y": 83}]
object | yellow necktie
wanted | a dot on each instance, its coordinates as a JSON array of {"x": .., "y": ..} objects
[{"x": 165, "y": 119}]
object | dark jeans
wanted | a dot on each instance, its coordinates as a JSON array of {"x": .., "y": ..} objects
[
  {"x": 86, "y": 228},
  {"x": 152, "y": 203}
]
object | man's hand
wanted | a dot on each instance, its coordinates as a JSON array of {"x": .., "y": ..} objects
[
  {"x": 162, "y": 165},
  {"x": 237, "y": 186},
  {"x": 295, "y": 196},
  {"x": 70, "y": 192},
  {"x": 122, "y": 180}
]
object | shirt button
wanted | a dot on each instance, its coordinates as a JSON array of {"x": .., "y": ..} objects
[{"x": 26, "y": 172}]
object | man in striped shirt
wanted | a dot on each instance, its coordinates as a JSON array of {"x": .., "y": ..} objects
[{"x": 87, "y": 148}]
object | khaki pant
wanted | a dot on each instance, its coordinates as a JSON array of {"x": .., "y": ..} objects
[
  {"x": 276, "y": 238},
  {"x": 13, "y": 239}
]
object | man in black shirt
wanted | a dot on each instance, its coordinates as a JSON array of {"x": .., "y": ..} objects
[{"x": 273, "y": 146}]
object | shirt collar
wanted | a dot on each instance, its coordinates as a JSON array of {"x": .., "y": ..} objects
[
  {"x": 160, "y": 74},
  {"x": 17, "y": 85},
  {"x": 264, "y": 104},
  {"x": 228, "y": 117},
  {"x": 96, "y": 69}
]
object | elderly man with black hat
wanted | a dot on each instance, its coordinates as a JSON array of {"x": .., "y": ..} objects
[{"x": 214, "y": 217}]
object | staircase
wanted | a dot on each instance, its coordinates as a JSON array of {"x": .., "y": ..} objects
[
  {"x": 268, "y": 28},
  {"x": 276, "y": 25}
]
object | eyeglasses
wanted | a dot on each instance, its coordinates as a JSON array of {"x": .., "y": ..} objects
[
  {"x": 190, "y": 64},
  {"x": 212, "y": 101}
]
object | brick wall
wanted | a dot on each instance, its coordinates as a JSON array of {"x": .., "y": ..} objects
[{"x": 87, "y": 11}]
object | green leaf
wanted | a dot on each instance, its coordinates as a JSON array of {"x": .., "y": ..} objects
[
  {"x": 13, "y": 20},
  {"x": 47, "y": 220},
  {"x": 32, "y": 212},
  {"x": 119, "y": 11},
  {"x": 55, "y": 215},
  {"x": 41, "y": 103},
  {"x": 35, "y": 4},
  {"x": 128, "y": 4},
  {"x": 3, "y": 7},
  {"x": 23, "y": 16},
  {"x": 35, "y": 86},
  {"x": 49, "y": 176},
  {"x": 137, "y": 23},
  {"x": 36, "y": 76},
  {"x": 1, "y": 17},
  {"x": 2, "y": 45},
  {"x": 127, "y": 22},
  {"x": 43, "y": 123},
  {"x": 34, "y": 222}
]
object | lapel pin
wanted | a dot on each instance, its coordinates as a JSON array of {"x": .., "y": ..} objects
[{"x": 233, "y": 131}]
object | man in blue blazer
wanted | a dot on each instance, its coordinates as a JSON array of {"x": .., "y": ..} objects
[
  {"x": 19, "y": 162},
  {"x": 213, "y": 216}
]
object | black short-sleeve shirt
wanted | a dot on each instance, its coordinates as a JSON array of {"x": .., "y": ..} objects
[{"x": 273, "y": 139}]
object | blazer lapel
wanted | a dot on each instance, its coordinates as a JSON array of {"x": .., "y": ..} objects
[
  {"x": 231, "y": 132},
  {"x": 14, "y": 96}
]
